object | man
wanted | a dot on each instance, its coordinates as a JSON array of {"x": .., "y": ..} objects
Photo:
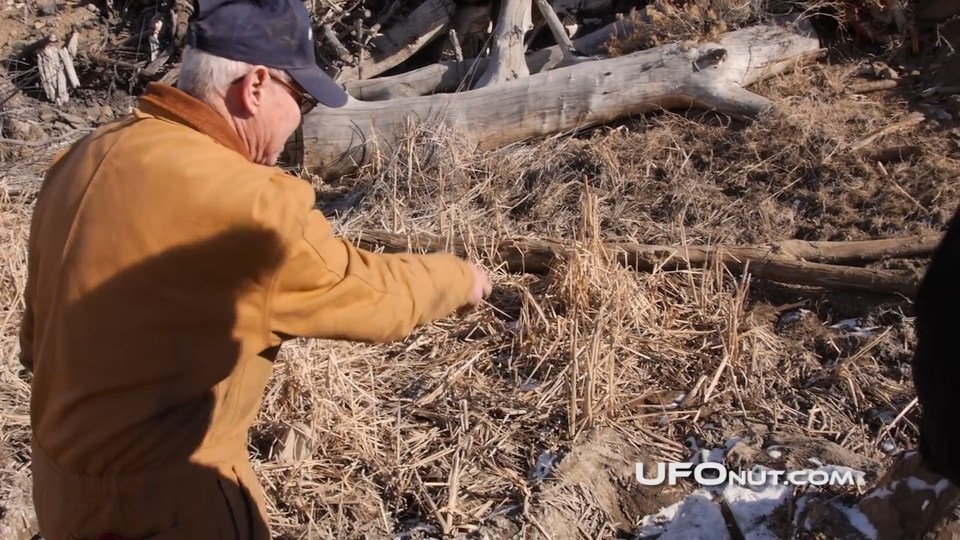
[{"x": 169, "y": 259}]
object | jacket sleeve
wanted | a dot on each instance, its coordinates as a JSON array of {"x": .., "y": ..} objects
[{"x": 329, "y": 289}]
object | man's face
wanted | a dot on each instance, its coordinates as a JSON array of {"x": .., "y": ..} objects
[{"x": 268, "y": 111}]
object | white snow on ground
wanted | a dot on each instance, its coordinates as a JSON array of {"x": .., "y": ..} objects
[
  {"x": 752, "y": 508},
  {"x": 697, "y": 516},
  {"x": 860, "y": 521}
]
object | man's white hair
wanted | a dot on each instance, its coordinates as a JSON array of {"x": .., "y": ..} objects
[{"x": 206, "y": 76}]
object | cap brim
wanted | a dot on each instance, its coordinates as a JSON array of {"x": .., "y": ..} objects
[{"x": 324, "y": 89}]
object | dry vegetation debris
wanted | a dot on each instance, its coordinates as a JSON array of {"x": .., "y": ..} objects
[{"x": 528, "y": 415}]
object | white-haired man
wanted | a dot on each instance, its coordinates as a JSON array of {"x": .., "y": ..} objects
[{"x": 169, "y": 260}]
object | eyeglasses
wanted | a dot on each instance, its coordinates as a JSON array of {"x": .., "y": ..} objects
[{"x": 305, "y": 101}]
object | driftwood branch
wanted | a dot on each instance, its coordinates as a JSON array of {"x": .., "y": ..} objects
[
  {"x": 334, "y": 41},
  {"x": 557, "y": 29},
  {"x": 793, "y": 261},
  {"x": 427, "y": 22},
  {"x": 447, "y": 76},
  {"x": 707, "y": 75},
  {"x": 908, "y": 122},
  {"x": 508, "y": 61},
  {"x": 894, "y": 153}
]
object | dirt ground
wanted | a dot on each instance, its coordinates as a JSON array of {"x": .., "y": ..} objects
[{"x": 526, "y": 418}]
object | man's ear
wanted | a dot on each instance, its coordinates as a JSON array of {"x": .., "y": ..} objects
[{"x": 252, "y": 89}]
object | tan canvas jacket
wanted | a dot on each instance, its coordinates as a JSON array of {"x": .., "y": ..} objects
[{"x": 165, "y": 270}]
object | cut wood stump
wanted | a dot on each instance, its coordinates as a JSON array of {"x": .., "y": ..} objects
[
  {"x": 707, "y": 75},
  {"x": 57, "y": 72}
]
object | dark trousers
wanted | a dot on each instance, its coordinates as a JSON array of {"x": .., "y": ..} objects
[{"x": 936, "y": 361}]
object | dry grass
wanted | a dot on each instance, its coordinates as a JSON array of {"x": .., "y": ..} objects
[
  {"x": 446, "y": 427},
  {"x": 17, "y": 188}
]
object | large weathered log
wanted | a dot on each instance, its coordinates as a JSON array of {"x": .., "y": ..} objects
[
  {"x": 793, "y": 261},
  {"x": 427, "y": 22},
  {"x": 449, "y": 76},
  {"x": 708, "y": 75}
]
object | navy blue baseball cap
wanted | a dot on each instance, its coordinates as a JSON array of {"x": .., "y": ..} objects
[{"x": 272, "y": 33}]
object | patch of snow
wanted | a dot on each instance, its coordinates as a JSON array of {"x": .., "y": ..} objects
[
  {"x": 775, "y": 451},
  {"x": 860, "y": 521},
  {"x": 752, "y": 508},
  {"x": 696, "y": 516},
  {"x": 793, "y": 316},
  {"x": 543, "y": 466},
  {"x": 800, "y": 510},
  {"x": 717, "y": 455},
  {"x": 846, "y": 324},
  {"x": 880, "y": 493},
  {"x": 853, "y": 326},
  {"x": 916, "y": 484}
]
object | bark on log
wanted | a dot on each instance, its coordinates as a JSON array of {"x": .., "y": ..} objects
[
  {"x": 447, "y": 76},
  {"x": 793, "y": 261},
  {"x": 706, "y": 75},
  {"x": 428, "y": 21},
  {"x": 507, "y": 58},
  {"x": 444, "y": 76}
]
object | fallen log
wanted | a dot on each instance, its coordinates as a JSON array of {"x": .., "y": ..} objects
[
  {"x": 449, "y": 76},
  {"x": 706, "y": 75},
  {"x": 796, "y": 262},
  {"x": 427, "y": 22}
]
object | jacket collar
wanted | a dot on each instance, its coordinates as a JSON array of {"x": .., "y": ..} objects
[{"x": 173, "y": 104}]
